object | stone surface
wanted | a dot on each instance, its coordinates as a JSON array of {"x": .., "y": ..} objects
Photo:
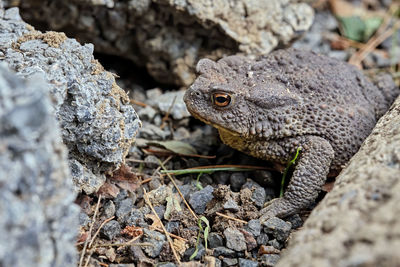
[
  {"x": 270, "y": 260},
  {"x": 223, "y": 251},
  {"x": 199, "y": 200},
  {"x": 97, "y": 122},
  {"x": 357, "y": 222},
  {"x": 168, "y": 37},
  {"x": 235, "y": 239},
  {"x": 247, "y": 263},
  {"x": 38, "y": 219},
  {"x": 111, "y": 229},
  {"x": 155, "y": 238},
  {"x": 215, "y": 240},
  {"x": 254, "y": 227},
  {"x": 278, "y": 228}
]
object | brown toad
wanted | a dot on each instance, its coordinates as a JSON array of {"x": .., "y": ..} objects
[{"x": 288, "y": 99}]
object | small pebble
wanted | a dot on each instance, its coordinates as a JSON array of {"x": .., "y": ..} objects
[
  {"x": 229, "y": 262},
  {"x": 278, "y": 228},
  {"x": 269, "y": 260},
  {"x": 189, "y": 252},
  {"x": 173, "y": 227},
  {"x": 123, "y": 208},
  {"x": 247, "y": 263},
  {"x": 151, "y": 161},
  {"x": 84, "y": 219},
  {"x": 275, "y": 243},
  {"x": 235, "y": 239},
  {"x": 221, "y": 177},
  {"x": 156, "y": 239},
  {"x": 223, "y": 251},
  {"x": 254, "y": 227},
  {"x": 295, "y": 220},
  {"x": 231, "y": 205},
  {"x": 236, "y": 180},
  {"x": 200, "y": 199},
  {"x": 215, "y": 240},
  {"x": 262, "y": 239},
  {"x": 111, "y": 229},
  {"x": 109, "y": 209}
]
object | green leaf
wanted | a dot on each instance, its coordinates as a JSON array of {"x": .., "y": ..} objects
[
  {"x": 175, "y": 146},
  {"x": 290, "y": 163},
  {"x": 359, "y": 29},
  {"x": 205, "y": 234}
]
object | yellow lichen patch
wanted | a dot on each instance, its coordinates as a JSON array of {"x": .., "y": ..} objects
[
  {"x": 118, "y": 93},
  {"x": 97, "y": 67},
  {"x": 53, "y": 39}
]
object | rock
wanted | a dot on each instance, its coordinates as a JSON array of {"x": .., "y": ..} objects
[
  {"x": 123, "y": 207},
  {"x": 229, "y": 262},
  {"x": 247, "y": 263},
  {"x": 169, "y": 37},
  {"x": 223, "y": 251},
  {"x": 254, "y": 227},
  {"x": 38, "y": 217},
  {"x": 215, "y": 240},
  {"x": 166, "y": 264},
  {"x": 152, "y": 132},
  {"x": 251, "y": 242},
  {"x": 269, "y": 260},
  {"x": 135, "y": 217},
  {"x": 278, "y": 228},
  {"x": 171, "y": 102},
  {"x": 258, "y": 196},
  {"x": 275, "y": 243},
  {"x": 199, "y": 200},
  {"x": 109, "y": 209},
  {"x": 151, "y": 161},
  {"x": 237, "y": 180},
  {"x": 156, "y": 239},
  {"x": 122, "y": 265},
  {"x": 235, "y": 239},
  {"x": 147, "y": 114},
  {"x": 231, "y": 205},
  {"x": 200, "y": 253},
  {"x": 159, "y": 196},
  {"x": 262, "y": 239},
  {"x": 97, "y": 122},
  {"x": 221, "y": 177},
  {"x": 84, "y": 219},
  {"x": 111, "y": 229},
  {"x": 357, "y": 222}
]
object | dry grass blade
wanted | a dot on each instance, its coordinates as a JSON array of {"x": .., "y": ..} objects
[
  {"x": 135, "y": 102},
  {"x": 230, "y": 218},
  {"x": 98, "y": 230},
  {"x": 146, "y": 198},
  {"x": 179, "y": 192},
  {"x": 129, "y": 243},
  {"x": 90, "y": 231},
  {"x": 165, "y": 118}
]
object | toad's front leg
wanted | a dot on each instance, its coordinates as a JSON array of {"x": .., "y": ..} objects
[{"x": 307, "y": 180}]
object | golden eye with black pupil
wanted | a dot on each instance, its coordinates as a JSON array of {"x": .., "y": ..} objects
[{"x": 221, "y": 99}]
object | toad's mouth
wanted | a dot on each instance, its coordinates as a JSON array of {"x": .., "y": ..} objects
[{"x": 217, "y": 126}]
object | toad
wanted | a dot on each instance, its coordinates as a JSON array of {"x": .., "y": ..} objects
[{"x": 290, "y": 99}]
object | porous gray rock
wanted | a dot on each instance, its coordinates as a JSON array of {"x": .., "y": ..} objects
[
  {"x": 168, "y": 37},
  {"x": 358, "y": 221},
  {"x": 38, "y": 219},
  {"x": 97, "y": 122}
]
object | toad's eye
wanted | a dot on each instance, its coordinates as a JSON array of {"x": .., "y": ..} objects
[{"x": 221, "y": 99}]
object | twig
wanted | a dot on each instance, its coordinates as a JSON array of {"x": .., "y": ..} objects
[
  {"x": 174, "y": 236},
  {"x": 167, "y": 114},
  {"x": 179, "y": 191},
  {"x": 356, "y": 58},
  {"x": 135, "y": 102},
  {"x": 98, "y": 230},
  {"x": 90, "y": 231},
  {"x": 230, "y": 218},
  {"x": 119, "y": 244},
  {"x": 146, "y": 198}
]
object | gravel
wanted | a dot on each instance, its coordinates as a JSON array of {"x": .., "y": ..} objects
[
  {"x": 223, "y": 251},
  {"x": 254, "y": 227},
  {"x": 247, "y": 263},
  {"x": 269, "y": 260},
  {"x": 111, "y": 229},
  {"x": 278, "y": 228},
  {"x": 156, "y": 239},
  {"x": 215, "y": 240},
  {"x": 235, "y": 239},
  {"x": 199, "y": 200}
]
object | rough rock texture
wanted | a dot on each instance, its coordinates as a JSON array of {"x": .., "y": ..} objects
[
  {"x": 38, "y": 220},
  {"x": 98, "y": 123},
  {"x": 357, "y": 223},
  {"x": 167, "y": 36}
]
